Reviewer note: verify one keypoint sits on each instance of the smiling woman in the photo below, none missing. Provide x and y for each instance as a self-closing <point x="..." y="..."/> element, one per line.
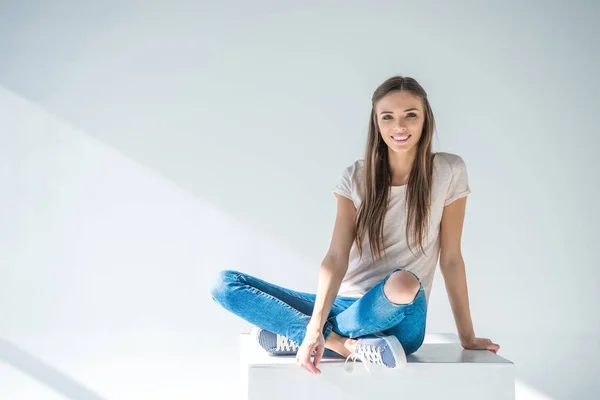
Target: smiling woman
<point x="398" y="209"/>
<point x="401" y="125"/>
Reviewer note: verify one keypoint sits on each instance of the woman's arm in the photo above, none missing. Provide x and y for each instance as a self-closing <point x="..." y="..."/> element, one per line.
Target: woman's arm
<point x="453" y="270"/>
<point x="330" y="277"/>
<point x="333" y="269"/>
<point x="335" y="263"/>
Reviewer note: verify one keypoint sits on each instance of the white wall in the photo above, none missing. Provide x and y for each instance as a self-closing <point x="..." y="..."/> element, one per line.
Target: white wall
<point x="144" y="147"/>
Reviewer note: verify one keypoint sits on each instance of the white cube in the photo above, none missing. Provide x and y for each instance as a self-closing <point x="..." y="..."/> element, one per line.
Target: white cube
<point x="440" y="369"/>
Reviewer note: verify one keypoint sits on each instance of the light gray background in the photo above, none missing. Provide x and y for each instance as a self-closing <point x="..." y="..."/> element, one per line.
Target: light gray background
<point x="144" y="146"/>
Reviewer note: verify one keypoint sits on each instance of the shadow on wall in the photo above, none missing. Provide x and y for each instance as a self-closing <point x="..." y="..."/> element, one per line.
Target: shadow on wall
<point x="44" y="373"/>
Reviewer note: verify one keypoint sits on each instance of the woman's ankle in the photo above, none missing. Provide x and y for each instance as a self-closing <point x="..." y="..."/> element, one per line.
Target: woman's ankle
<point x="350" y="344"/>
<point x="340" y="344"/>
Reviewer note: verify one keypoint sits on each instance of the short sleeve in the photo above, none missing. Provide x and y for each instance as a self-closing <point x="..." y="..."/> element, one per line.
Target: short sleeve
<point x="344" y="185"/>
<point x="459" y="183"/>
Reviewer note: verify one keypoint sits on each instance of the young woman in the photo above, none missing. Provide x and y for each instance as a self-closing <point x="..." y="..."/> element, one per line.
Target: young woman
<point x="398" y="210"/>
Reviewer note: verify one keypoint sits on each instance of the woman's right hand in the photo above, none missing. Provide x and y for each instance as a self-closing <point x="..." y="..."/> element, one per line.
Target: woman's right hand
<point x="313" y="342"/>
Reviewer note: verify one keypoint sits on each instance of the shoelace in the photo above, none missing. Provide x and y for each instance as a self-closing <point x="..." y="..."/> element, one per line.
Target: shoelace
<point x="285" y="344"/>
<point x="366" y="354"/>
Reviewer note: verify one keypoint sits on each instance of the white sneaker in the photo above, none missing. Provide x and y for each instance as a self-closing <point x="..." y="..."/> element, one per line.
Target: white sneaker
<point x="379" y="350"/>
<point x="273" y="343"/>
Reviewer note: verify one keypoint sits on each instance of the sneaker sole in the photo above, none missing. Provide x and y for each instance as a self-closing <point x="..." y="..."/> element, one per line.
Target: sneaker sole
<point x="254" y="332"/>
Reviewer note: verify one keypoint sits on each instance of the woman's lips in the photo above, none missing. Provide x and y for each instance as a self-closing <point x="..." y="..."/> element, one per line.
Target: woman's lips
<point x="401" y="141"/>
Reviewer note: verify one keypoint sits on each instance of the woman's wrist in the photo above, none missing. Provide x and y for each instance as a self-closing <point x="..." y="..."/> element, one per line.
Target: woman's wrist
<point x="466" y="339"/>
<point x="314" y="326"/>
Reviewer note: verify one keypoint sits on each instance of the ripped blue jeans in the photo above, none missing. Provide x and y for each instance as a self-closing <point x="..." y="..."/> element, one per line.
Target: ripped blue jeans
<point x="287" y="312"/>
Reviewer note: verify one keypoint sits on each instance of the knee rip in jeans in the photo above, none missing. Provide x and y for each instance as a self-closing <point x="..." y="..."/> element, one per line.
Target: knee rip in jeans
<point x="402" y="287"/>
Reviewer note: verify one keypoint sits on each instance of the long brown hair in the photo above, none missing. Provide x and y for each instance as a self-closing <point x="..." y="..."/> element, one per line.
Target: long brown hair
<point x="377" y="177"/>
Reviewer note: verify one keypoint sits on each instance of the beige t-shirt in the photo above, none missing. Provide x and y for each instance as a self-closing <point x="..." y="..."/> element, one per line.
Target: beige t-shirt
<point x="450" y="182"/>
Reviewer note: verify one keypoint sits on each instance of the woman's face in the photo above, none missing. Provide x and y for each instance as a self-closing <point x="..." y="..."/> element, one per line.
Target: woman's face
<point x="400" y="119"/>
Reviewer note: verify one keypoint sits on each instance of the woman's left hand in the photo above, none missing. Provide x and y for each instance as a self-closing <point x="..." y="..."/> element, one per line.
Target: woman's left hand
<point x="481" y="344"/>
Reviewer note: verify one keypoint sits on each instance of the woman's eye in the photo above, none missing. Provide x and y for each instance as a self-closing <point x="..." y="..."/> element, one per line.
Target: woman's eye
<point x="410" y="115"/>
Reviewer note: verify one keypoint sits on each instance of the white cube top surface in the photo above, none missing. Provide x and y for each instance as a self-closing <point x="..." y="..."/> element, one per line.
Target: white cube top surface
<point x="437" y="348"/>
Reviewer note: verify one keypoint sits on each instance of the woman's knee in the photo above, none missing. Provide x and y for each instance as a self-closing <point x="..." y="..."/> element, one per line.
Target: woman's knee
<point x="412" y="347"/>
<point x="401" y="287"/>
<point x="221" y="287"/>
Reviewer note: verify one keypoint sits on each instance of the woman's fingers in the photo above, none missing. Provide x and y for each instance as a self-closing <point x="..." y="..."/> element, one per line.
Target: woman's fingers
<point x="318" y="357"/>
<point x="309" y="365"/>
<point x="303" y="359"/>
<point x="313" y="343"/>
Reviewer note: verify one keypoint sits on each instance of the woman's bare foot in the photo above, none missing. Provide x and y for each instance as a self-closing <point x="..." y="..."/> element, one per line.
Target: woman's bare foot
<point x="342" y="345"/>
